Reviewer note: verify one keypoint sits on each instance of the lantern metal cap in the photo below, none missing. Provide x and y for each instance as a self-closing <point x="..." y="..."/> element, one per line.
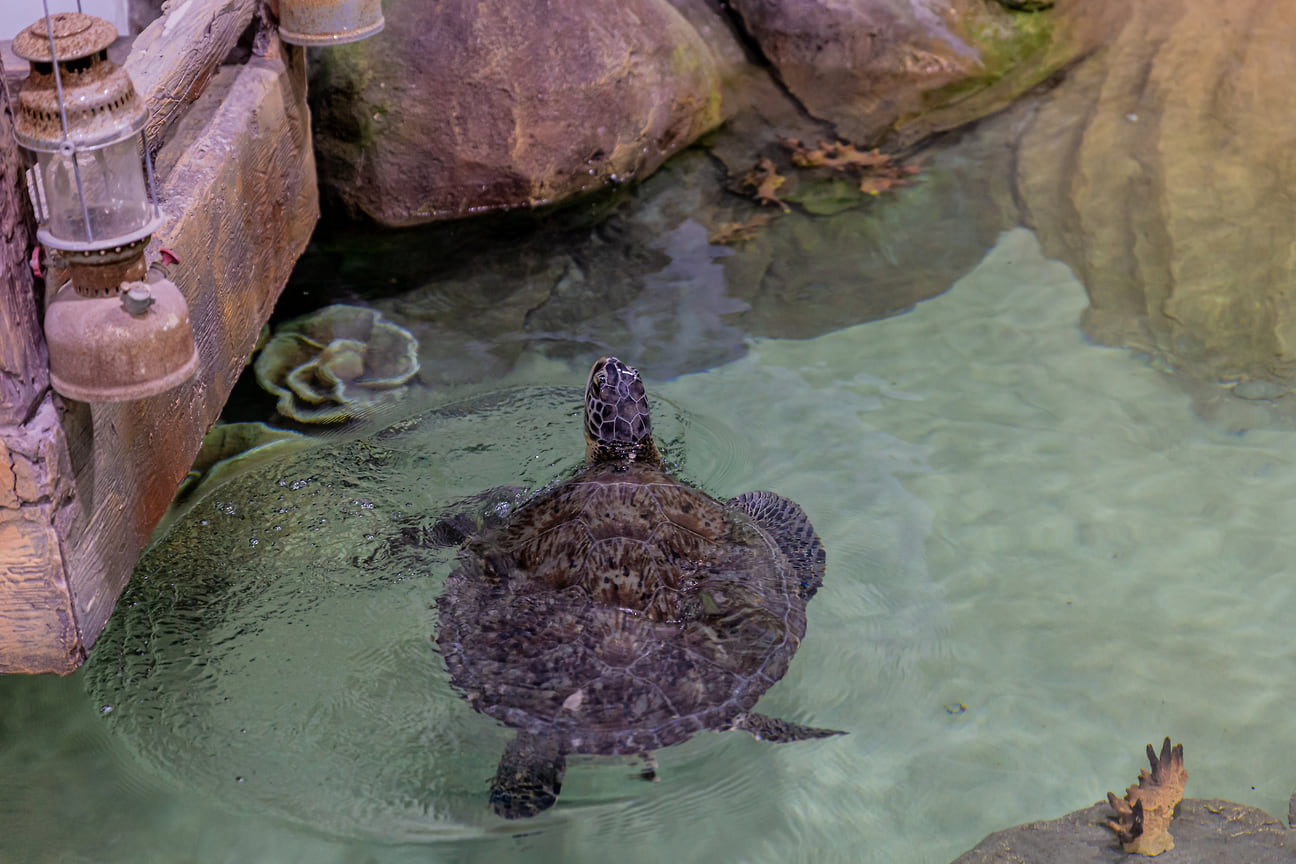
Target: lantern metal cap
<point x="329" y="22"/>
<point x="75" y="36"/>
<point x="100" y="100"/>
<point x="100" y="246"/>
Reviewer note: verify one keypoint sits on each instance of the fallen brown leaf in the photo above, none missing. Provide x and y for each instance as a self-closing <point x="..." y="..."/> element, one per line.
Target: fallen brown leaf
<point x="765" y="179"/>
<point x="737" y="233"/>
<point x="841" y="156"/>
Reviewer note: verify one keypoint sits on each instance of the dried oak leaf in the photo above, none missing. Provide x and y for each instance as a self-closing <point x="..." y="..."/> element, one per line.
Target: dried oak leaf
<point x="877" y="184"/>
<point x="737" y="233"/>
<point x="803" y="156"/>
<point x="765" y="179"/>
<point x="840" y="156"/>
<point x="1142" y="820"/>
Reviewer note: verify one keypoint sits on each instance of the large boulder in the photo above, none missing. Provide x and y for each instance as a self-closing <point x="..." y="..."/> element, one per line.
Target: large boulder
<point x="1161" y="171"/>
<point x="467" y="106"/>
<point x="870" y="67"/>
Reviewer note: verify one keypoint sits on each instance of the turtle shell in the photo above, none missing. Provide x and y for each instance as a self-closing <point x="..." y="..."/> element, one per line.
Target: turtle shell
<point x="623" y="610"/>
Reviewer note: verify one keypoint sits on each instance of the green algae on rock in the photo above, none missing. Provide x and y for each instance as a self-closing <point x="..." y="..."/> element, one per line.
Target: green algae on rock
<point x="871" y="66"/>
<point x="329" y="366"/>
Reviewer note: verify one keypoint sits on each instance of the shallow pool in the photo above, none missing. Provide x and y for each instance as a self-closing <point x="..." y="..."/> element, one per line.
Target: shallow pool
<point x="1039" y="559"/>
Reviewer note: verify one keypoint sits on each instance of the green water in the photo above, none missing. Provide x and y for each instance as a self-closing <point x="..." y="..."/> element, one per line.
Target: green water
<point x="1039" y="559"/>
<point x="1040" y="556"/>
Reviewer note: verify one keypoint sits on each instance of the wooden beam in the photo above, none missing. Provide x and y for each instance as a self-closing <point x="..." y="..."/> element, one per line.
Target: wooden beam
<point x="240" y="202"/>
<point x="174" y="58"/>
<point x="38" y="629"/>
<point x="82" y="486"/>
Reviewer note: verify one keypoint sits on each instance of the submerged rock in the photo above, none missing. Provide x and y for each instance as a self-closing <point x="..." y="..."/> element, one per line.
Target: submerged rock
<point x="1207" y="831"/>
<point x="227" y="451"/>
<point x="464" y="107"/>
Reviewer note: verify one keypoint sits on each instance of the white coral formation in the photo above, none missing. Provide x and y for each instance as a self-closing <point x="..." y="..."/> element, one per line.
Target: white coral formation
<point x="333" y="364"/>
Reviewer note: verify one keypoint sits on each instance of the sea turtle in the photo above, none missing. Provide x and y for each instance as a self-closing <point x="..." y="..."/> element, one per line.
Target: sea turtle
<point x="622" y="611"/>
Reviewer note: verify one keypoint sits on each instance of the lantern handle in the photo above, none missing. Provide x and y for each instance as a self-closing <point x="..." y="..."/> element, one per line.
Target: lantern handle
<point x="67" y="148"/>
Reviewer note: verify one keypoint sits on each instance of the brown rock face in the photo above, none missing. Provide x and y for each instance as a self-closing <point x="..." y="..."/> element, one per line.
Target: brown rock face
<point x="463" y="107"/>
<point x="868" y="65"/>
<point x="1161" y="171"/>
<point x="864" y="62"/>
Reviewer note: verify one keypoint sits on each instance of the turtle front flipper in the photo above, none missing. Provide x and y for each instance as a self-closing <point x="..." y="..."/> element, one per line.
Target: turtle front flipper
<point x="461" y="521"/>
<point x="469" y="517"/>
<point x="529" y="776"/>
<point x="765" y="728"/>
<point x="788" y="525"/>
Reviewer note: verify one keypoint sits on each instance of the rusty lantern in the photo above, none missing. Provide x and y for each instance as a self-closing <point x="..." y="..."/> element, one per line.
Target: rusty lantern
<point x="93" y="190"/>
<point x="328" y="22"/>
<point x="115" y="349"/>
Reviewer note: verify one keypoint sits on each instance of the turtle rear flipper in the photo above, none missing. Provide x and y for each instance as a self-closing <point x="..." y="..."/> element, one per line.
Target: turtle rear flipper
<point x="788" y="525"/>
<point x="529" y="776"/>
<point x="765" y="728"/>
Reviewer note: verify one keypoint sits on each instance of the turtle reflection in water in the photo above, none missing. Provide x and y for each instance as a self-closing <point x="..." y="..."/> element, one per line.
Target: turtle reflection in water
<point x="623" y="611"/>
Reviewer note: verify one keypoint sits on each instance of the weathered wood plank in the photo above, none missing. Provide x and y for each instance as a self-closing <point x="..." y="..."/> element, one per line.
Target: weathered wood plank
<point x="38" y="630"/>
<point x="24" y="373"/>
<point x="174" y="58"/>
<point x="80" y="493"/>
<point x="240" y="204"/>
<point x="38" y="627"/>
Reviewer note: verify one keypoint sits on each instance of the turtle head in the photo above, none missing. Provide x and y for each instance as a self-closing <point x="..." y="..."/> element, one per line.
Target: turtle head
<point x="617" y="425"/>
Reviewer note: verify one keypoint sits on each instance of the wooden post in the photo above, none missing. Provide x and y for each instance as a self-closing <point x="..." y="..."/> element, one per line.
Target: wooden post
<point x="24" y="372"/>
<point x="38" y="629"/>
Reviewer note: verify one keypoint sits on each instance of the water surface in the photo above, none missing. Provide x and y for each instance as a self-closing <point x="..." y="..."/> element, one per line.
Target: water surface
<point x="1039" y="558"/>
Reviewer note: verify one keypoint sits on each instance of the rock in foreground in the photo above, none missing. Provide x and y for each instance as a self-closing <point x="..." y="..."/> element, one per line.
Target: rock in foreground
<point x="1207" y="831"/>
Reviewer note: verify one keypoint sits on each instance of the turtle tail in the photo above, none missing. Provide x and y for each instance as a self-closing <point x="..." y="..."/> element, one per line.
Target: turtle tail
<point x="529" y="776"/>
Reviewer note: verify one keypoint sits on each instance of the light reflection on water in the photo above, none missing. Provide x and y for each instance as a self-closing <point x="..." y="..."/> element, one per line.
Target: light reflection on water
<point x="1016" y="521"/>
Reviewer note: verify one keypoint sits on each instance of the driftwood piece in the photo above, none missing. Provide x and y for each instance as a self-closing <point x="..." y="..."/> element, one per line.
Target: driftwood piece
<point x="174" y="58"/>
<point x="1142" y="819"/>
